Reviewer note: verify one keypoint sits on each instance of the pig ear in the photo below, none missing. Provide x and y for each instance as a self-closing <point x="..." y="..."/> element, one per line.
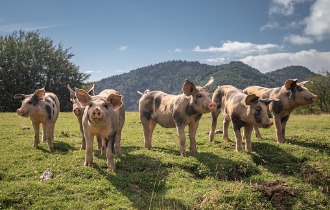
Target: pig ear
<point x="83" y="97"/>
<point x="251" y="99"/>
<point x="40" y="93"/>
<point x="209" y="83"/>
<point x="188" y="88"/>
<point x="72" y="92"/>
<point x="290" y="83"/>
<point x="91" y="91"/>
<point x="115" y="101"/>
<point x="20" y="96"/>
<point x="305" y="82"/>
<point x="266" y="100"/>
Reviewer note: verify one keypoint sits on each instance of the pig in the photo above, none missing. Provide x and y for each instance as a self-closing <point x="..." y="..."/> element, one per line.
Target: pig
<point x="291" y="95"/>
<point x="78" y="110"/>
<point x="175" y="111"/>
<point x="40" y="107"/>
<point x="104" y="115"/>
<point x="242" y="110"/>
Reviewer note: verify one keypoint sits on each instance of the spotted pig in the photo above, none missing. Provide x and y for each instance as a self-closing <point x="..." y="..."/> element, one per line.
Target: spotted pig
<point x="291" y="95"/>
<point x="40" y="107"/>
<point x="175" y="111"/>
<point x="242" y="110"/>
<point x="104" y="115"/>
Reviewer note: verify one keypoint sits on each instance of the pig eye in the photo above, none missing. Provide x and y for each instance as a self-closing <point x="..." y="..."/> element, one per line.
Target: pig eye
<point x="199" y="95"/>
<point x="106" y="106"/>
<point x="90" y="105"/>
<point x="29" y="102"/>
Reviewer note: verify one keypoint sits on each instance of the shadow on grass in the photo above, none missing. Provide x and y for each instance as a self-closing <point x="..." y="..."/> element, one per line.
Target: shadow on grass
<point x="59" y="148"/>
<point x="278" y="161"/>
<point x="321" y="147"/>
<point x="142" y="180"/>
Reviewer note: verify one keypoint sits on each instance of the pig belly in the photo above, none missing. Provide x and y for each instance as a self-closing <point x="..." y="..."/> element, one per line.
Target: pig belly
<point x="164" y="120"/>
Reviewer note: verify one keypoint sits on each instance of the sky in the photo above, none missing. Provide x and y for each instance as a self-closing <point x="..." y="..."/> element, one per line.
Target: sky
<point x="111" y="37"/>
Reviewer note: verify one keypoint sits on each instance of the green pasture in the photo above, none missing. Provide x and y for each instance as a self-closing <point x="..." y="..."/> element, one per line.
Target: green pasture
<point x="293" y="175"/>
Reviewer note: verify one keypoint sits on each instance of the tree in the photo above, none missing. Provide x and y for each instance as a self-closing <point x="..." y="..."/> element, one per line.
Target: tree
<point x="321" y="87"/>
<point x="29" y="62"/>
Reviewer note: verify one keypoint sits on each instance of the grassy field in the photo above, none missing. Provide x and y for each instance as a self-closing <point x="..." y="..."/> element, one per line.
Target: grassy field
<point x="294" y="175"/>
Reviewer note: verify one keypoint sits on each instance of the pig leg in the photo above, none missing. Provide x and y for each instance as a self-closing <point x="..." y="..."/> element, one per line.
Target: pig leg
<point x="83" y="141"/>
<point x="284" y="121"/>
<point x="104" y="146"/>
<point x="257" y="132"/>
<point x="44" y="132"/>
<point x="226" y="122"/>
<point x="192" y="134"/>
<point x="148" y="127"/>
<point x="89" y="148"/>
<point x="247" y="136"/>
<point x="214" y="119"/>
<point x="36" y="134"/>
<point x="110" y="151"/>
<point x="238" y="140"/>
<point x="182" y="140"/>
<point x="99" y="142"/>
<point x="117" y="143"/>
<point x="50" y="135"/>
<point x="278" y="126"/>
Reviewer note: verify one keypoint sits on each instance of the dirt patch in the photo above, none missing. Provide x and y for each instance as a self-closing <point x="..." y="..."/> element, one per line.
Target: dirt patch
<point x="278" y="193"/>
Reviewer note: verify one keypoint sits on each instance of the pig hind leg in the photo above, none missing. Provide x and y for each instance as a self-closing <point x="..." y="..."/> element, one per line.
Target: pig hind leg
<point x="226" y="122"/>
<point x="110" y="143"/>
<point x="44" y="132"/>
<point x="148" y="128"/>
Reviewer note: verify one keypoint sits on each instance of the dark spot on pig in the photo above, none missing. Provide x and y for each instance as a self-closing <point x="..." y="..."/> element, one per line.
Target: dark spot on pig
<point x="278" y="107"/>
<point x="237" y="122"/>
<point x="277" y="90"/>
<point x="218" y="105"/>
<point x="158" y="101"/>
<point x="148" y="105"/>
<point x="51" y="97"/>
<point x="257" y="114"/>
<point x="190" y="110"/>
<point x="178" y="119"/>
<point x="47" y="100"/>
<point x="198" y="117"/>
<point x="49" y="111"/>
<point x="34" y="100"/>
<point x="146" y="115"/>
<point x="284" y="119"/>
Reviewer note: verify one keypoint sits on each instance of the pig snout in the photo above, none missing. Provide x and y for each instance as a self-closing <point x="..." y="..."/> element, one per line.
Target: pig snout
<point x="96" y="114"/>
<point x="314" y="98"/>
<point x="20" y="112"/>
<point x="268" y="125"/>
<point x="76" y="111"/>
<point x="212" y="106"/>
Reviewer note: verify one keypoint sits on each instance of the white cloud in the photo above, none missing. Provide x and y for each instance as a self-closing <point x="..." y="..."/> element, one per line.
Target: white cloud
<point x="123" y="48"/>
<point x="242" y="48"/>
<point x="27" y="27"/>
<point x="283" y="7"/>
<point x="312" y="59"/>
<point x="318" y="23"/>
<point x="177" y="50"/>
<point x="90" y="72"/>
<point x="215" y="60"/>
<point x="298" y="40"/>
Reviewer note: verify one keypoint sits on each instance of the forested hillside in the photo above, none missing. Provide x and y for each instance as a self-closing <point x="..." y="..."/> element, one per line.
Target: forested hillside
<point x="170" y="76"/>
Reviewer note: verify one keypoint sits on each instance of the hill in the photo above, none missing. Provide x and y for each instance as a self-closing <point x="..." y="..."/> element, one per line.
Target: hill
<point x="290" y="72"/>
<point x="170" y="76"/>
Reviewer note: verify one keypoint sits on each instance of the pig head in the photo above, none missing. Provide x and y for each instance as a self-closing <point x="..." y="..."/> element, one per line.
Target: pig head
<point x="104" y="115"/>
<point x="40" y="107"/>
<point x="242" y="110"/>
<point x="175" y="111"/>
<point x="78" y="110"/>
<point x="291" y="95"/>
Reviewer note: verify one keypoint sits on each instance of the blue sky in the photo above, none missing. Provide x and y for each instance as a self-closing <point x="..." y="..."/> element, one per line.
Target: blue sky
<point x="111" y="37"/>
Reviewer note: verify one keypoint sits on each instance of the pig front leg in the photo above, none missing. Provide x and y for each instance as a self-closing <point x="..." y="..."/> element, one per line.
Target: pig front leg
<point x="214" y="119"/>
<point x="89" y="148"/>
<point x="278" y="127"/>
<point x="192" y="134"/>
<point x="247" y="136"/>
<point x="83" y="141"/>
<point x="36" y="134"/>
<point x="99" y="142"/>
<point x="182" y="140"/>
<point x="257" y="132"/>
<point x="238" y="140"/>
<point x="110" y="151"/>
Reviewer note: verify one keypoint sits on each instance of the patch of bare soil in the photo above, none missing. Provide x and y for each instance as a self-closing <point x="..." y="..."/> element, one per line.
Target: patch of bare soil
<point x="277" y="192"/>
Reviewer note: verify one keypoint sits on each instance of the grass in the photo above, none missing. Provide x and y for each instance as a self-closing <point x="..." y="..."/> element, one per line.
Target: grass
<point x="294" y="175"/>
